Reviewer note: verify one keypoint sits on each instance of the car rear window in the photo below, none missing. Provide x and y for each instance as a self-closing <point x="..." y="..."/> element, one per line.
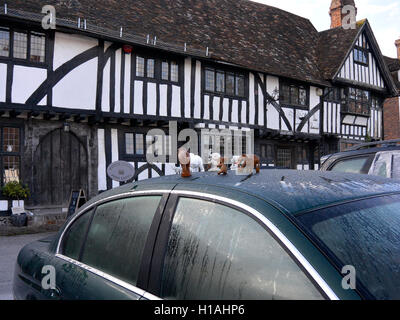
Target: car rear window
<point x="366" y="235"/>
<point x="353" y="165"/>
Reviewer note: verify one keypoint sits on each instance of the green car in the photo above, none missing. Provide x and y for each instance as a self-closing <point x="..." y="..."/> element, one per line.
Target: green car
<point x="279" y="234"/>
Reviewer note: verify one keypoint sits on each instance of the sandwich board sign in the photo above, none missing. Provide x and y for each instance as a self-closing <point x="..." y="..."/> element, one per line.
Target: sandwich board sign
<point x="121" y="171"/>
<point x="76" y="200"/>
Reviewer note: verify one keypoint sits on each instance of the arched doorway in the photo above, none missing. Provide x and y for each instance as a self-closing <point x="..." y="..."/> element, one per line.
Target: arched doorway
<point x="60" y="165"/>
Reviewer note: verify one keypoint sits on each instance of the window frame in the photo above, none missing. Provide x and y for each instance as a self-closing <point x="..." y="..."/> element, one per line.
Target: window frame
<point x="298" y="86"/>
<point x="367" y="105"/>
<point x="10" y="154"/>
<point x="365" y="51"/>
<point x="145" y="67"/>
<point x="158" y="62"/>
<point x="7" y="29"/>
<point x="290" y="151"/>
<point x="334" y="94"/>
<point x="166" y="225"/>
<point x="26" y="61"/>
<point x="134" y="155"/>
<point x="169" y="62"/>
<point x="226" y="72"/>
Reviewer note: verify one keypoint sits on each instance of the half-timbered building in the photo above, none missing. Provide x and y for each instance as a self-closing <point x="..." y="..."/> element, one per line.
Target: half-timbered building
<point x="76" y="98"/>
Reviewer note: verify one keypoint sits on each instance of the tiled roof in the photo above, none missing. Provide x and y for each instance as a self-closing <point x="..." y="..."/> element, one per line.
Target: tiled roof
<point x="394" y="67"/>
<point x="241" y="32"/>
<point x="333" y="47"/>
<point x="392" y="63"/>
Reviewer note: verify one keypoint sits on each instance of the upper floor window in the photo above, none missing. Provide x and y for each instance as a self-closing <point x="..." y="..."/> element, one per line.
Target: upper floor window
<point x="361" y="55"/>
<point x="38" y="47"/>
<point x="224" y="82"/>
<point x="4" y="42"/>
<point x="294" y="94"/>
<point x="144" y="67"/>
<point x="20" y="45"/>
<point x="152" y="68"/>
<point x="375" y="103"/>
<point x="359" y="101"/>
<point x="23" y="45"/>
<point x="334" y="94"/>
<point x="170" y="71"/>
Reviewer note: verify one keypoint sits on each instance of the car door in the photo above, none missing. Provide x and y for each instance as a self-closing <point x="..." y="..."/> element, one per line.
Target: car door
<point x="386" y="164"/>
<point x="212" y="250"/>
<point x="103" y="253"/>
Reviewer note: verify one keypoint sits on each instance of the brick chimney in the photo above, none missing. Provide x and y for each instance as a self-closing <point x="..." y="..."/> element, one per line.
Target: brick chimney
<point x="397" y="43"/>
<point x="336" y="11"/>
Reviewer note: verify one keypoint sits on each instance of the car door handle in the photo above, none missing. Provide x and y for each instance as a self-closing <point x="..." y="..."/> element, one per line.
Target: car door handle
<point x="53" y="294"/>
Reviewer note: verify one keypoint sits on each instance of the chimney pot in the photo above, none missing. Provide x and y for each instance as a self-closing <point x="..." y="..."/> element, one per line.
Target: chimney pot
<point x="336" y="11"/>
<point x="397" y="43"/>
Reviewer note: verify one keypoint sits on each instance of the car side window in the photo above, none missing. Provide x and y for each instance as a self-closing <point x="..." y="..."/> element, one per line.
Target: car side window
<point x="218" y="253"/>
<point x="354" y="165"/>
<point x="74" y="238"/>
<point x="118" y="234"/>
<point x="396" y="166"/>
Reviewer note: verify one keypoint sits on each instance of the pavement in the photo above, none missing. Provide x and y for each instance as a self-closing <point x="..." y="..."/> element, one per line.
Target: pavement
<point x="9" y="249"/>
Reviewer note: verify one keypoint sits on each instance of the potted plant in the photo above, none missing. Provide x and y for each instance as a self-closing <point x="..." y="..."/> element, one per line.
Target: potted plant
<point x="15" y="190"/>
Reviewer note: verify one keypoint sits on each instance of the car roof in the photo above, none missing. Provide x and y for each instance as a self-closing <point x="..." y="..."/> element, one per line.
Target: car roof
<point x="291" y="190"/>
<point x="350" y="153"/>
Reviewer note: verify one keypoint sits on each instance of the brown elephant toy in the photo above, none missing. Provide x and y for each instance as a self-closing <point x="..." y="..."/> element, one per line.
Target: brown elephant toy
<point x="249" y="161"/>
<point x="223" y="167"/>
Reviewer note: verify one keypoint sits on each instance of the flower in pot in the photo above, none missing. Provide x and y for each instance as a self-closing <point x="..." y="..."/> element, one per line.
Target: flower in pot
<point x="15" y="190"/>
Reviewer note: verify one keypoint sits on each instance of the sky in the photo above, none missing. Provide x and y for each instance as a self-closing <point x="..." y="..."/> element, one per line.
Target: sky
<point x="383" y="16"/>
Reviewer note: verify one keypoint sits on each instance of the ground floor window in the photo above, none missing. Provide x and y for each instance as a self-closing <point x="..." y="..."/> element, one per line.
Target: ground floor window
<point x="284" y="158"/>
<point x="10" y="154"/>
<point x="136" y="145"/>
<point x="267" y="154"/>
<point x="11" y="169"/>
<point x="303" y="158"/>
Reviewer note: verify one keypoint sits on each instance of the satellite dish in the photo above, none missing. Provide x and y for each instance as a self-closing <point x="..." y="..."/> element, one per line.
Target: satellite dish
<point x="121" y="171"/>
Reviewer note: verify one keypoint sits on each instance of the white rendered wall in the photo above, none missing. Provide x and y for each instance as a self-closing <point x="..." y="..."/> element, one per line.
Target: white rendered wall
<point x="26" y="81"/>
<point x="68" y="46"/>
<point x="77" y="90"/>
<point x="272" y="113"/>
<point x="3" y="81"/>
<point x="101" y="171"/>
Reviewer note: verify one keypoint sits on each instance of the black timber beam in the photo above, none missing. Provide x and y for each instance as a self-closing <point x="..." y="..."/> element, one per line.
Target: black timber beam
<point x="92" y="120"/>
<point x="14" y="113"/>
<point x="134" y="123"/>
<point x="79" y="118"/>
<point x="33" y="114"/>
<point x="49" y="115"/>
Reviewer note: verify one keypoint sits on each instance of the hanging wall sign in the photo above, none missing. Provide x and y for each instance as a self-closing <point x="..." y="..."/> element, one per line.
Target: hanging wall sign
<point x="121" y="171"/>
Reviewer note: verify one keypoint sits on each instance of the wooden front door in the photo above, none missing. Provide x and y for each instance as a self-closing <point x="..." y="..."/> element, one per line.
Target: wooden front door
<point x="60" y="165"/>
